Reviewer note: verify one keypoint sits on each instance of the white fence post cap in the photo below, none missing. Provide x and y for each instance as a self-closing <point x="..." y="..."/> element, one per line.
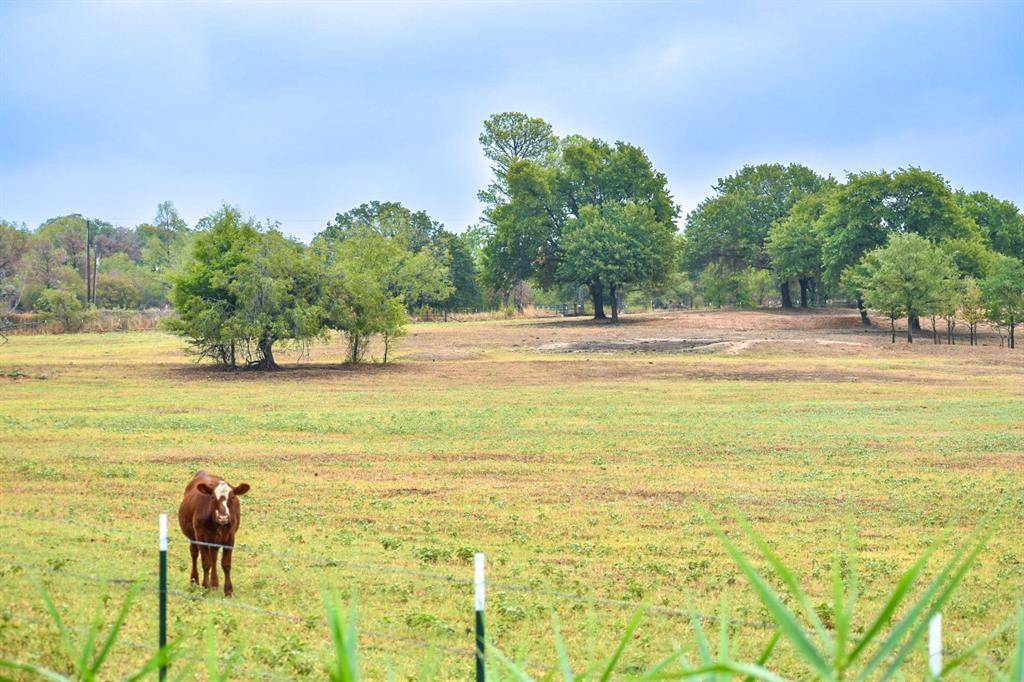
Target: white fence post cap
<point x="163" y="532"/>
<point x="479" y="589"/>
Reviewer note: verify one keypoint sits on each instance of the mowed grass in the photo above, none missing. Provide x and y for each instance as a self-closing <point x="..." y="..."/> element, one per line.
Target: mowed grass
<point x="584" y="477"/>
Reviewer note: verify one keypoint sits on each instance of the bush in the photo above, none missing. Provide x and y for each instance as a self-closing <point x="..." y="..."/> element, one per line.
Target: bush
<point x="62" y="306"/>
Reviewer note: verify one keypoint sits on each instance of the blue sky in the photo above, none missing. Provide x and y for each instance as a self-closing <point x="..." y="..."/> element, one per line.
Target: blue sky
<point x="295" y="112"/>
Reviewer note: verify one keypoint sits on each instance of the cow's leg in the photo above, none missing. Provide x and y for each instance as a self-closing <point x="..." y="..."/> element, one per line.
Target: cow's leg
<point x="225" y="563"/>
<point x="204" y="552"/>
<point x="214" y="582"/>
<point x="193" y="549"/>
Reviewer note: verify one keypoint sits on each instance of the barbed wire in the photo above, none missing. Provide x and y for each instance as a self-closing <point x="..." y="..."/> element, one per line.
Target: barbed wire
<point x="73" y="523"/>
<point x="502" y="554"/>
<point x="493" y="586"/>
<point x="308" y="621"/>
<point x="194" y="658"/>
<point x="514" y="587"/>
<point x="324" y="562"/>
<point x="319" y="561"/>
<point x="499" y="587"/>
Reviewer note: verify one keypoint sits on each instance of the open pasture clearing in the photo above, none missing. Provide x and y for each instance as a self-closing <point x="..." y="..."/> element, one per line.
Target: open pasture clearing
<point x="580" y="473"/>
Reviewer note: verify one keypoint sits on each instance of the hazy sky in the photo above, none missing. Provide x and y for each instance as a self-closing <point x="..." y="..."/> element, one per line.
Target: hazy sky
<point x="297" y="111"/>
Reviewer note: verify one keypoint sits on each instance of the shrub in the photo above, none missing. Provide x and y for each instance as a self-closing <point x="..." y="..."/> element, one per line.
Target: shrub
<point x="62" y="306"/>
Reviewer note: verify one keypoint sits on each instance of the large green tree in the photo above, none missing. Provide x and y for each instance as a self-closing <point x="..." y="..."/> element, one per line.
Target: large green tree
<point x="731" y="227"/>
<point x="542" y="196"/>
<point x="1002" y="292"/>
<point x="872" y="206"/>
<point x="413" y="229"/>
<point x="1001" y="222"/>
<point x="879" y="294"/>
<point x="417" y="248"/>
<point x="367" y="280"/>
<point x="509" y="138"/>
<point x="794" y="243"/>
<point x="162" y="241"/>
<point x="456" y="252"/>
<point x="523" y="243"/>
<point x="615" y="246"/>
<point x="168" y="218"/>
<point x="246" y="289"/>
<point x="909" y="274"/>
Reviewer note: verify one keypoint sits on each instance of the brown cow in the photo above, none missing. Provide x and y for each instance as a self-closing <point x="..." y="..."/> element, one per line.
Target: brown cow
<point x="210" y="513"/>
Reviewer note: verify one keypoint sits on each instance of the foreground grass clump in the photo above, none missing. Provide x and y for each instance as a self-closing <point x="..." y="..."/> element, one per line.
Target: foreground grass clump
<point x="578" y="474"/>
<point x="86" y="657"/>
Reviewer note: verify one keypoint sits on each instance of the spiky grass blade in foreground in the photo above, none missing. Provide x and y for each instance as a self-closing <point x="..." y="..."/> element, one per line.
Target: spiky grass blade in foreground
<point x="163" y="657"/>
<point x="787" y="621"/>
<point x="971" y="652"/>
<point x="659" y="672"/>
<point x="609" y="667"/>
<point x="115" y="629"/>
<point x="722" y="666"/>
<point x="729" y="669"/>
<point x="789" y="579"/>
<point x="723" y="635"/>
<point x="890" y="643"/>
<point x="88" y="662"/>
<point x="563" y="655"/>
<point x="897" y="596"/>
<point x="911" y="628"/>
<point x="1017" y="662"/>
<point x="517" y="673"/>
<point x="766" y="653"/>
<point x="703" y="648"/>
<point x="844" y="598"/>
<point x="214" y="671"/>
<point x="51" y="608"/>
<point x="82" y="666"/>
<point x="344" y="666"/>
<point x="42" y="672"/>
<point x="428" y="670"/>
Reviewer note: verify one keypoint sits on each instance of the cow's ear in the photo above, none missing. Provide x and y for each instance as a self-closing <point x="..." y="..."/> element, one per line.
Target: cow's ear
<point x="204" y="489"/>
<point x="241" y="489"/>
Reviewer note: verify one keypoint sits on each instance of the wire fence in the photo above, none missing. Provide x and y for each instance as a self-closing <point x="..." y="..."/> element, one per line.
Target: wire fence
<point x="320" y="561"/>
<point x="196" y="597"/>
<point x="370" y="638"/>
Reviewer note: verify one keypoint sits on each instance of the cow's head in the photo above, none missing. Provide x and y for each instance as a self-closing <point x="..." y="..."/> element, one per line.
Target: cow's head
<point x="224" y="499"/>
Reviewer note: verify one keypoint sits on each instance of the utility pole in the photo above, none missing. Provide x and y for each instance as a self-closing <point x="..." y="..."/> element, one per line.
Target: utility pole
<point x="88" y="261"/>
<point x="95" y="271"/>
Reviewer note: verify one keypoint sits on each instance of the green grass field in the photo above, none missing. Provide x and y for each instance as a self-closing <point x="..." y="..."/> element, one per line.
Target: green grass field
<point x="583" y="473"/>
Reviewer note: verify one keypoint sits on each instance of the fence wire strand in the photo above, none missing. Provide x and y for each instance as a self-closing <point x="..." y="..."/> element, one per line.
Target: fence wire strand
<point x="493" y="586"/>
<point x="308" y="621"/>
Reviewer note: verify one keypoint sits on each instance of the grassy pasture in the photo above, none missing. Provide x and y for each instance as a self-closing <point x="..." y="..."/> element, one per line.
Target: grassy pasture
<point x="582" y="473"/>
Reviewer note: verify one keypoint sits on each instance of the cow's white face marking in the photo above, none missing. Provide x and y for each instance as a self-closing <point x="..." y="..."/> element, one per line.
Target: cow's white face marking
<point x="220" y="494"/>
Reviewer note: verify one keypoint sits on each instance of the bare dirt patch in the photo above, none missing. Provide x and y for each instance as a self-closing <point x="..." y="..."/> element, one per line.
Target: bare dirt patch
<point x="405" y="492"/>
<point x="442" y="355"/>
<point x="629" y="346"/>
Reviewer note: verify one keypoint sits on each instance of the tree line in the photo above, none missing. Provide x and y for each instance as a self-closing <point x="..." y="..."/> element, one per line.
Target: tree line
<point x="239" y="286"/>
<point x="573" y="211"/>
<point x="72" y="261"/>
<point x="564" y="219"/>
